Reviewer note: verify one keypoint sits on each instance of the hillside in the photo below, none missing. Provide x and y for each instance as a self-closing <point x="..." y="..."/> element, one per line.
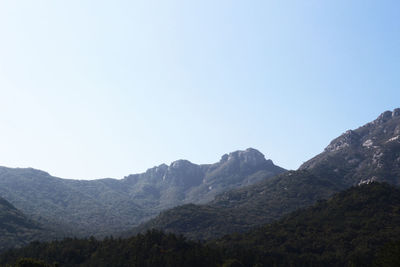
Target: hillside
<point x="243" y="209"/>
<point x="107" y="206"/>
<point x="370" y="153"/>
<point x="357" y="227"/>
<point x="352" y="227"/>
<point x="16" y="229"/>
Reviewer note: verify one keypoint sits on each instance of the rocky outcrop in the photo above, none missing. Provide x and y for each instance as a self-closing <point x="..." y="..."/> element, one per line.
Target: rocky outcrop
<point x="185" y="182"/>
<point x="349" y="138"/>
<point x="368" y="153"/>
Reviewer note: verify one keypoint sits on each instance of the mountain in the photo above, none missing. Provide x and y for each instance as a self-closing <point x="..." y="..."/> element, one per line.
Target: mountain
<point x="107" y="206"/>
<point x="16" y="229"/>
<point x="185" y="182"/>
<point x="357" y="227"/>
<point x="369" y="153"/>
<point x="243" y="209"/>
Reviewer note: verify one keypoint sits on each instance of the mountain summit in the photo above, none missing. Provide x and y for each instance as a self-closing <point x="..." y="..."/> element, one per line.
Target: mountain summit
<point x="369" y="153"/>
<point x="185" y="182"/>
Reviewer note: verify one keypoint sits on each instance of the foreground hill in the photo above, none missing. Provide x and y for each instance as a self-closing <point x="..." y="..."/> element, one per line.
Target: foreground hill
<point x="16" y="229"/>
<point x="349" y="229"/>
<point x="370" y="153"/>
<point x="358" y="227"/>
<point x="107" y="206"/>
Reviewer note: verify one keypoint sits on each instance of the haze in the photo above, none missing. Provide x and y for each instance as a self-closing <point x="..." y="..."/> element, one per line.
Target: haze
<point x="92" y="89"/>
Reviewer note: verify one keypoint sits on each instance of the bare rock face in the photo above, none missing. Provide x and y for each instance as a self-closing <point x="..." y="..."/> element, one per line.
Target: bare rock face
<point x="349" y="138"/>
<point x="249" y="156"/>
<point x="184" y="182"/>
<point x="368" y="153"/>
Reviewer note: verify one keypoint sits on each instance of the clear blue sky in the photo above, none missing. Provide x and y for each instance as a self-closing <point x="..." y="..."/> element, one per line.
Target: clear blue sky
<point x="92" y="89"/>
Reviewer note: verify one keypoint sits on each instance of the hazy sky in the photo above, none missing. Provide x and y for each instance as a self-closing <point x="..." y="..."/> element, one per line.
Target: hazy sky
<point x="92" y="89"/>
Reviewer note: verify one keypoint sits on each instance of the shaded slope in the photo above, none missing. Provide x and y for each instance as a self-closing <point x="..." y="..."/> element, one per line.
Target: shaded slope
<point x="243" y="209"/>
<point x="350" y="228"/>
<point x="16" y="229"/>
<point x="64" y="204"/>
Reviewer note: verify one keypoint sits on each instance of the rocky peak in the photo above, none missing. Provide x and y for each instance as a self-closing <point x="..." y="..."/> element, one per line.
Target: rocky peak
<point x="396" y="112"/>
<point x="366" y="154"/>
<point x="386" y="116"/>
<point x="182" y="163"/>
<point x="384" y="127"/>
<point x="249" y="156"/>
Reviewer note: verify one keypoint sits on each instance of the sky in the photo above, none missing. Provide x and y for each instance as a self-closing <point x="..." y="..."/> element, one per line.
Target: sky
<point x="94" y="89"/>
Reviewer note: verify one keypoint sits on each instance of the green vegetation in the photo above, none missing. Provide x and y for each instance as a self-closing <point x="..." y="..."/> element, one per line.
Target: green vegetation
<point x="357" y="227"/>
<point x="151" y="249"/>
<point x="243" y="209"/>
<point x="389" y="255"/>
<point x="346" y="230"/>
<point x="16" y="229"/>
<point x="108" y="206"/>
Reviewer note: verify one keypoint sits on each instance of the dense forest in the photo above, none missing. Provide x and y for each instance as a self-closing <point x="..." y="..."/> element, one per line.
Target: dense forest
<point x="349" y="229"/>
<point x="151" y="249"/>
<point x="357" y="227"/>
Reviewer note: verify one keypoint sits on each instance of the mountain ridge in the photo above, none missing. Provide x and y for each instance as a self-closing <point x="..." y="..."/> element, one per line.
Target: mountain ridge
<point x="107" y="206"/>
<point x="368" y="153"/>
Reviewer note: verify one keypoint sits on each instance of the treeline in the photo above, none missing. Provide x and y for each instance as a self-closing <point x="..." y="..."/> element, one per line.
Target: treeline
<point x="117" y="252"/>
<point x="151" y="249"/>
<point x="358" y="227"/>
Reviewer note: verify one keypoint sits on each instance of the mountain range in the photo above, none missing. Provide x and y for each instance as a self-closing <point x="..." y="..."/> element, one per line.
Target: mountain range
<point x="241" y="192"/>
<point x="369" y="153"/>
<point x="108" y="206"/>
